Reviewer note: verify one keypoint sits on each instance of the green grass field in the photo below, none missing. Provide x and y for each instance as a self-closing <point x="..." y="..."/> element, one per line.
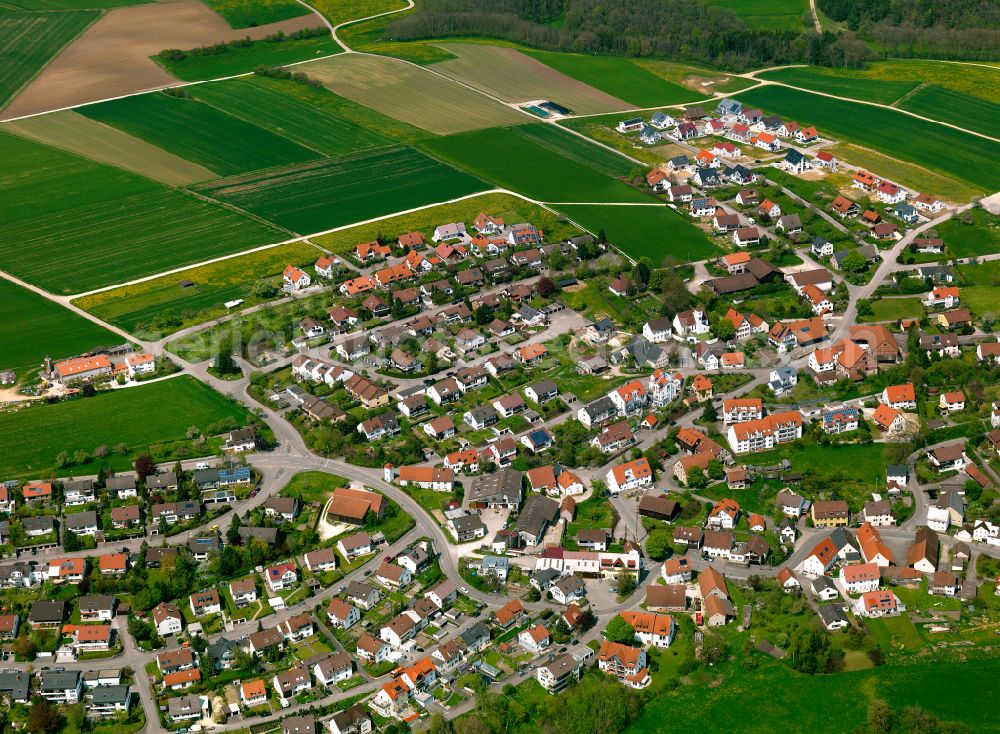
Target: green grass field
<point x="134" y="416"/>
<point x="746" y="703"/>
<point x="106" y="225"/>
<point x="28" y="41"/>
<point x="199" y="132"/>
<point x="656" y="232"/>
<point x="927" y="144"/>
<point x="54" y="331"/>
<point x="245" y="59"/>
<point x="277" y="109"/>
<point x="341" y="11"/>
<point x="893" y="309"/>
<point x="947" y="105"/>
<point x="540" y="162"/>
<point x="619" y="77"/>
<point x="332" y="192"/>
<point x="249" y="13"/>
<point x="981" y="237"/>
<point x="884" y="91"/>
<point x="313" y="486"/>
<point x="910" y="175"/>
<point x="158" y="307"/>
<point x="978" y="80"/>
<point x="766" y="15"/>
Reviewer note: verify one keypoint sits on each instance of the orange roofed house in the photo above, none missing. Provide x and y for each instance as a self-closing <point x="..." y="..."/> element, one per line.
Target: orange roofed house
<point x="765" y="433"/>
<point x="626" y="663"/>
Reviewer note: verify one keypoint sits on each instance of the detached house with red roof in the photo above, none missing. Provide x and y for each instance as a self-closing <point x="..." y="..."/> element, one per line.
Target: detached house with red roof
<point x="900" y="397"/>
<point x="281" y="576"/>
<point x="630" y="475"/>
<point x="879" y="604"/>
<point x="943" y="296"/>
<point x="820" y="559"/>
<point x="294" y="279"/>
<point x="627" y="664"/>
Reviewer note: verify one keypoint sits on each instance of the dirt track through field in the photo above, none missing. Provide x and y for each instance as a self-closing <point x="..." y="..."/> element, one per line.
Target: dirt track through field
<point x="112" y="57"/>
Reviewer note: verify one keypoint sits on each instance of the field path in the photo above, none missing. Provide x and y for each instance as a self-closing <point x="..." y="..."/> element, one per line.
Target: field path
<point x="816" y="24"/>
<point x="65" y="302"/>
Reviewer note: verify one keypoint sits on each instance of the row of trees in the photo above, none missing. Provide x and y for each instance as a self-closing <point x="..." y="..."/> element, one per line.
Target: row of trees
<point x="690" y="31"/>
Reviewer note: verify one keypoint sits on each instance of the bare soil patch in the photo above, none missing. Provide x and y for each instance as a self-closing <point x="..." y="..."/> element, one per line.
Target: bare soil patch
<point x="111" y="58"/>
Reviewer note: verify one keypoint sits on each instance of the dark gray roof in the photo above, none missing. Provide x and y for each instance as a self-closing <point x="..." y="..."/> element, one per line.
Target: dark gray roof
<point x="41" y="523"/>
<point x="221" y="647"/>
<point x="539" y="511"/>
<point x="80" y="485"/>
<point x="60" y="680"/>
<point x="268" y="535"/>
<point x="504" y="485"/>
<point x="475" y="632"/>
<point x="600" y="407"/>
<point x="47" y="611"/>
<point x="96" y="602"/>
<point x="110" y="694"/>
<point x="81" y="519"/>
<point x="831" y="613"/>
<point x="122" y="481"/>
<point x="15" y="682"/>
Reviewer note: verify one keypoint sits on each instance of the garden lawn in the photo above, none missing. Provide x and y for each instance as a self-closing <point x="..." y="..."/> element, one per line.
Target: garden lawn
<point x="199" y="132"/>
<point x="313" y="486"/>
<point x="657" y="232"/>
<point x="29" y="41"/>
<point x="896" y="633"/>
<point x="540" y="162"/>
<point x="745" y="703"/>
<point x="865" y="463"/>
<point x="957" y="108"/>
<point x="278" y="109"/>
<point x="894" y="309"/>
<point x="982" y="300"/>
<point x="106" y="225"/>
<point x="593" y="513"/>
<point x="927" y="144"/>
<point x="332" y="192"/>
<point x="982" y="237"/>
<point x="619" y="77"/>
<point x="135" y="416"/>
<point x="771" y="15"/>
<point x="868" y="90"/>
<point x="33" y="327"/>
<point x="248" y="13"/>
<point x="240" y="60"/>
